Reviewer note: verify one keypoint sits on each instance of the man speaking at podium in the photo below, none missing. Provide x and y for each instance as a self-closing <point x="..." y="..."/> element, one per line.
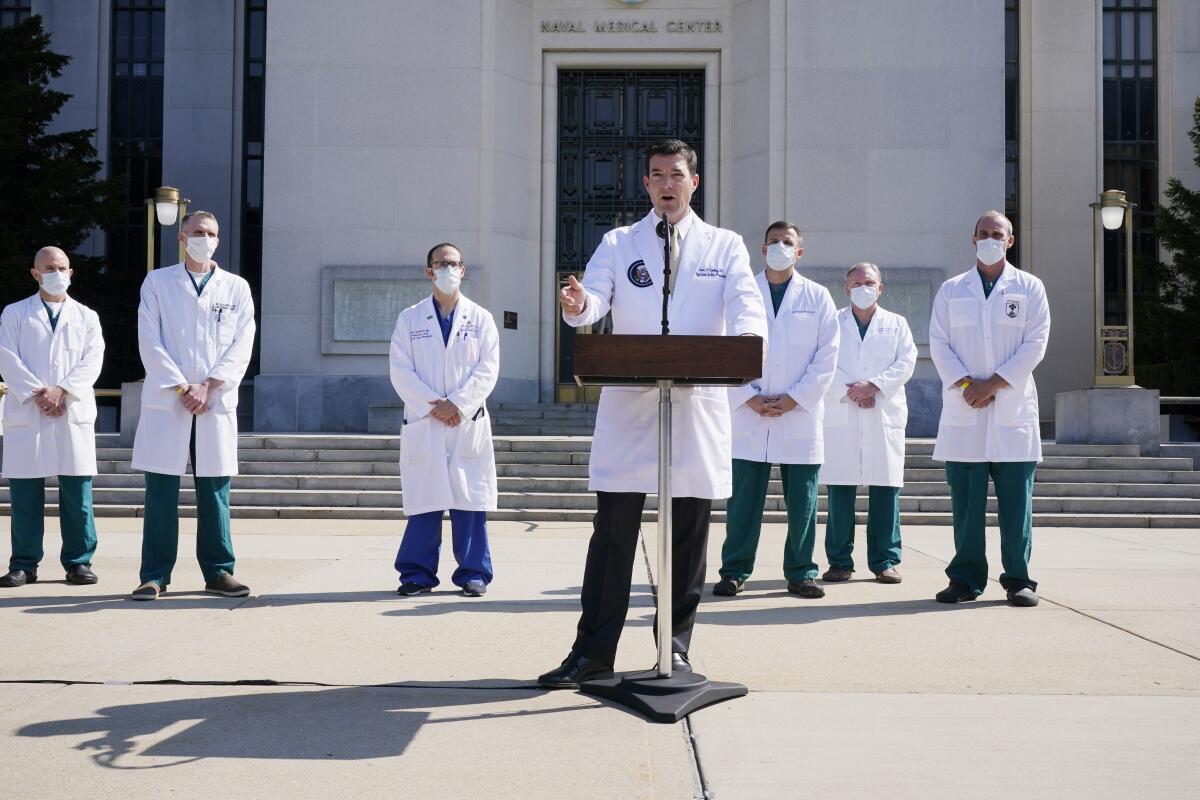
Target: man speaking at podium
<point x="712" y="292"/>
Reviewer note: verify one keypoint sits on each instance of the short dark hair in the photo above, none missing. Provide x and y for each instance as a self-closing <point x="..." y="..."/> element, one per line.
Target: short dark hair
<point x="781" y="224"/>
<point x="435" y="248"/>
<point x="673" y="147"/>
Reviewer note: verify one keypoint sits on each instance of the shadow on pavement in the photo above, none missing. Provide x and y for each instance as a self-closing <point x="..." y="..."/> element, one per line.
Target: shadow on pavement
<point x="333" y="724"/>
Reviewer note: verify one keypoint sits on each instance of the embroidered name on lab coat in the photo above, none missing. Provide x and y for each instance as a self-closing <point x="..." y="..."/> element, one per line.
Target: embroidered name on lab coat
<point x="710" y="272"/>
<point x="806" y="312"/>
<point x="420" y="333"/>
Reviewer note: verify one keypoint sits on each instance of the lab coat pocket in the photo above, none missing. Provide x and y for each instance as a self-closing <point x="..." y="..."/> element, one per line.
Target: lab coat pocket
<point x="415" y="441"/>
<point x="955" y="410"/>
<point x="964" y="312"/>
<point x="474" y="439"/>
<point x="1015" y="409"/>
<point x="837" y="409"/>
<point x="1012" y="309"/>
<point x="81" y="410"/>
<point x="159" y="396"/>
<point x="18" y="414"/>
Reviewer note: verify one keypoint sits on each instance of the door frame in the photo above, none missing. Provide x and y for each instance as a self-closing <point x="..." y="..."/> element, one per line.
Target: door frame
<point x="713" y="172"/>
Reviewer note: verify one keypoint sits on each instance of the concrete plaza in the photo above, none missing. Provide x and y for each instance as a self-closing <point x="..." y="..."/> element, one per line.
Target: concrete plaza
<point x="324" y="683"/>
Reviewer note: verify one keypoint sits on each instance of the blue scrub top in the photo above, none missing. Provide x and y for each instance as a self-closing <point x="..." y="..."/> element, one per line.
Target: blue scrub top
<point x="446" y="322"/>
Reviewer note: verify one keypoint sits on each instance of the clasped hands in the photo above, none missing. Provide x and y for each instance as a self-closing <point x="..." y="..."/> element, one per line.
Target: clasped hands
<point x="194" y="396"/>
<point x="51" y="400"/>
<point x="981" y="393"/>
<point x="771" y="405"/>
<point x="446" y="413"/>
<point x="862" y="393"/>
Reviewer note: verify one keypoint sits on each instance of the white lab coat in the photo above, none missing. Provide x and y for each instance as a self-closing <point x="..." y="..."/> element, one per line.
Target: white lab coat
<point x="185" y="338"/>
<point x="1004" y="335"/>
<point x="865" y="446"/>
<point x="714" y="294"/>
<point x="33" y="357"/>
<point x="800" y="363"/>
<point x="441" y="467"/>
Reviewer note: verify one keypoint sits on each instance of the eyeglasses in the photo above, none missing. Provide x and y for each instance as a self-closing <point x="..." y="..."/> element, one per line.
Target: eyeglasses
<point x="447" y="265"/>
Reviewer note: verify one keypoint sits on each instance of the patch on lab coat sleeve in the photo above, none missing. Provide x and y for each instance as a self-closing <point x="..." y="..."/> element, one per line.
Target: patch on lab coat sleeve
<point x="639" y="275"/>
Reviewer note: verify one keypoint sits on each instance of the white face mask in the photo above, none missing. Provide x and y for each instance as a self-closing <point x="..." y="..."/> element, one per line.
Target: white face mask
<point x="201" y="248"/>
<point x="447" y="279"/>
<point x="780" y="256"/>
<point x="55" y="283"/>
<point x="864" y="296"/>
<point x="990" y="251"/>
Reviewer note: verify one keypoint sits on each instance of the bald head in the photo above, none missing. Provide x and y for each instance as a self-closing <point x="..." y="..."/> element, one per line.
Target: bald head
<point x="51" y="255"/>
<point x="51" y="260"/>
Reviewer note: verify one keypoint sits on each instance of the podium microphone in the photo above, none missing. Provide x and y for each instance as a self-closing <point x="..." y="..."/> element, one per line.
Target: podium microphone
<point x="663" y="229"/>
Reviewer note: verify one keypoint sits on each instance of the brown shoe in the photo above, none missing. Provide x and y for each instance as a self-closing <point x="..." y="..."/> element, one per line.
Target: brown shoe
<point x="888" y="575"/>
<point x="150" y="590"/>
<point x="837" y="575"/>
<point x="226" y="586"/>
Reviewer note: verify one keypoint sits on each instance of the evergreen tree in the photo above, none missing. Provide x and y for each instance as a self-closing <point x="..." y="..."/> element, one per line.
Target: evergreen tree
<point x="1166" y="343"/>
<point x="50" y="192"/>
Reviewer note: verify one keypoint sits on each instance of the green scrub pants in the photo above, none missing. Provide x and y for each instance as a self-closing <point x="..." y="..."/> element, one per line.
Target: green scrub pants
<point x="745" y="513"/>
<point x="1014" y="500"/>
<point x="160" y="525"/>
<point x="883" y="527"/>
<point x="75" y="520"/>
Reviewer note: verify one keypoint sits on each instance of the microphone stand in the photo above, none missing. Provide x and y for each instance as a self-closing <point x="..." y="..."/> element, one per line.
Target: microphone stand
<point x="664" y="230"/>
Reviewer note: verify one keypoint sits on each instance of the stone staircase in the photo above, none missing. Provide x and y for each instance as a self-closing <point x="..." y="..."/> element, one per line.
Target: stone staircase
<point x="542" y="457"/>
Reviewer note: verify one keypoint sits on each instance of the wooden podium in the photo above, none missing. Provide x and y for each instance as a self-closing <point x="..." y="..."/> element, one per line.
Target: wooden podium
<point x="665" y="362"/>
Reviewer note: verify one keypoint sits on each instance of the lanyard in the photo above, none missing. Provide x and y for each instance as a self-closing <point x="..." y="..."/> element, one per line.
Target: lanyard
<point x="199" y="287"/>
<point x="52" y="316"/>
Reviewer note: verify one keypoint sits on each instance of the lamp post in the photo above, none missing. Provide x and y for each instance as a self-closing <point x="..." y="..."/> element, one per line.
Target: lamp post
<point x="168" y="207"/>
<point x="1114" y="343"/>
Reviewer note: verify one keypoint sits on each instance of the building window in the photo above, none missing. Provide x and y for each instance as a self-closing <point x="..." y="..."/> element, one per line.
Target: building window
<point x="254" y="72"/>
<point x="14" y="11"/>
<point x="135" y="158"/>
<point x="1130" y="134"/>
<point x="1012" y="116"/>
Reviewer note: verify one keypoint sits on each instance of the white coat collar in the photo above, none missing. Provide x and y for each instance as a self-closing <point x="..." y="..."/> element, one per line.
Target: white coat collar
<point x="974" y="280"/>
<point x="696" y="237"/>
<point x="67" y="314"/>
<point x="849" y="322"/>
<point x="462" y="309"/>
<point x="795" y="286"/>
<point x="184" y="278"/>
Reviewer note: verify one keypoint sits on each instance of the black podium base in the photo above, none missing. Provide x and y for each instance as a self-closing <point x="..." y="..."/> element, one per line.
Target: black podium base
<point x="663" y="699"/>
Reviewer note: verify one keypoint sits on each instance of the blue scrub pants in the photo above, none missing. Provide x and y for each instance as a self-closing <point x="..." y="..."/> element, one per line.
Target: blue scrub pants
<point x="417" y="560"/>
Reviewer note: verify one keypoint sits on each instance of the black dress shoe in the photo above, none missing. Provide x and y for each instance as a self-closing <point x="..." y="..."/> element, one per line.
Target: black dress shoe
<point x="728" y="587"/>
<point x="574" y="670"/>
<point x="17" y="577"/>
<point x="680" y="663"/>
<point x="81" y="575"/>
<point x="956" y="592"/>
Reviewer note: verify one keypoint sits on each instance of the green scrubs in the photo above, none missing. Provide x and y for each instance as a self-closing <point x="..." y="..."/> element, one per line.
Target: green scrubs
<point x="75" y="519"/>
<point x="883" y="527"/>
<point x="745" y="513"/>
<point x="160" y="525"/>
<point x="1014" y="500"/>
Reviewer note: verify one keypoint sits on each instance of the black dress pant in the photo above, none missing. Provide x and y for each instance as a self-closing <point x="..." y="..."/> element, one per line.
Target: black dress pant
<point x="609" y="571"/>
